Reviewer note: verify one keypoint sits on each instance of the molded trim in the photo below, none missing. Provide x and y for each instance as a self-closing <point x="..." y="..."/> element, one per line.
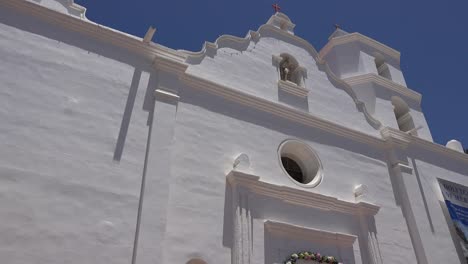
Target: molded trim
<point x="379" y="80"/>
<point x="357" y="37"/>
<point x="403" y="167"/>
<point x="394" y="137"/>
<point x="308" y="234"/>
<point x="292" y="88"/>
<point x="278" y="109"/>
<point x="175" y="61"/>
<point x="165" y="96"/>
<point x="397" y="138"/>
<point x="161" y="56"/>
<point x="299" y="197"/>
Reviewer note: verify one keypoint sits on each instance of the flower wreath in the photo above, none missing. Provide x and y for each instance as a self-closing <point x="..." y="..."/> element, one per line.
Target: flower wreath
<point x="306" y="255"/>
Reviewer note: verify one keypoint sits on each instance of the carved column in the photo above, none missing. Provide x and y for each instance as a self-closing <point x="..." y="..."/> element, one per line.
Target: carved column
<point x="370" y="246"/>
<point x="241" y="247"/>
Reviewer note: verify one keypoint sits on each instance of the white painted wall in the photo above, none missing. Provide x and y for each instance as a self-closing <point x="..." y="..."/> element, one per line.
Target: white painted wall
<point x="378" y="101"/>
<point x="69" y="193"/>
<point x="397" y="74"/>
<point x="258" y="76"/>
<point x="203" y="118"/>
<point x="63" y="197"/>
<point x="354" y="59"/>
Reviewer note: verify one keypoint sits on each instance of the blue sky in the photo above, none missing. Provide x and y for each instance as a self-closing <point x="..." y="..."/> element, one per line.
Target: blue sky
<point x="432" y="37"/>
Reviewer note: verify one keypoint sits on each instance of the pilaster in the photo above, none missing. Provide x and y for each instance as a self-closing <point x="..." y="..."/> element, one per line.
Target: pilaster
<point x="411" y="199"/>
<point x="367" y="239"/>
<point x="410" y="195"/>
<point x="242" y="228"/>
<point x="155" y="183"/>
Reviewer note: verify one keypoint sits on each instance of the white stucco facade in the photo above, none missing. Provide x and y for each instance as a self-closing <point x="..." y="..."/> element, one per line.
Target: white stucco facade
<point x="118" y="150"/>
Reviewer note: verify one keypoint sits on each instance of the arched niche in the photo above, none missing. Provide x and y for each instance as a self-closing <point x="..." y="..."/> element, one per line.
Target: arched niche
<point x="290" y="70"/>
<point x="402" y="114"/>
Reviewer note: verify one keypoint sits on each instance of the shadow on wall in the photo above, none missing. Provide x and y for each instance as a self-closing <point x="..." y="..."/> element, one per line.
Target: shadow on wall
<point x="360" y="106"/>
<point x="54" y="32"/>
<point x="293" y="100"/>
<point x="148" y="105"/>
<point x="323" y="67"/>
<point x="228" y="222"/>
<point x="272" y="122"/>
<point x="438" y="160"/>
<point x="127" y="114"/>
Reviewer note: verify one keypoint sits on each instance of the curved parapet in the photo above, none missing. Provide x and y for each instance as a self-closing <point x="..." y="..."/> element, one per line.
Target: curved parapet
<point x="63" y="6"/>
<point x="284" y="33"/>
<point x="210" y="48"/>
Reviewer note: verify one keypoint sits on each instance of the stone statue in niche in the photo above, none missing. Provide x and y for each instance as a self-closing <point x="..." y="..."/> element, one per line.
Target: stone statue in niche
<point x="286" y="69"/>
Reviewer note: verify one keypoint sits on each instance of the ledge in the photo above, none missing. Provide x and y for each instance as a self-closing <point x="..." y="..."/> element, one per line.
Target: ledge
<point x="443" y="150"/>
<point x="352" y="37"/>
<point x="164" y="95"/>
<point x="373" y="78"/>
<point x="292" y="88"/>
<point x="277" y="109"/>
<point x="308" y="234"/>
<point x="299" y="197"/>
<point x="390" y="136"/>
<point x="402" y="167"/>
<point x="394" y="137"/>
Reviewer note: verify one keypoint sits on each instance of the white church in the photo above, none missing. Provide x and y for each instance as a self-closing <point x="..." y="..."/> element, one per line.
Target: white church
<point x="254" y="150"/>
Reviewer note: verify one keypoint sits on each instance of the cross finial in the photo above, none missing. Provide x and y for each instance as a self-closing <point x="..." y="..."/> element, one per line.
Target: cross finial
<point x="276" y="7"/>
<point x="337" y="26"/>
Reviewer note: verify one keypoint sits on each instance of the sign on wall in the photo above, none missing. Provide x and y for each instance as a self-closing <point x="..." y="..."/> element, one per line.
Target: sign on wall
<point x="456" y="199"/>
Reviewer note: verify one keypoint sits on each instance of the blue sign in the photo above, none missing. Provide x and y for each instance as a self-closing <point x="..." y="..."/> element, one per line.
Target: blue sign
<point x="456" y="199"/>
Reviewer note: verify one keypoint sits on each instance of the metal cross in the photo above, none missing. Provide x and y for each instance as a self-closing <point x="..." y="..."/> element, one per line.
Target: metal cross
<point x="276" y="7"/>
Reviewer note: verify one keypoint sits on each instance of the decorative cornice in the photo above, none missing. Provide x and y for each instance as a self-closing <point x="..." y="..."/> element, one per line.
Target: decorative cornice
<point x="292" y="88"/>
<point x="133" y="44"/>
<point x="390" y="136"/>
<point x="299" y="197"/>
<point x="440" y="149"/>
<point x="394" y="137"/>
<point x="175" y="61"/>
<point x="379" y="80"/>
<point x="168" y="64"/>
<point x="308" y="234"/>
<point x="397" y="138"/>
<point x="357" y="37"/>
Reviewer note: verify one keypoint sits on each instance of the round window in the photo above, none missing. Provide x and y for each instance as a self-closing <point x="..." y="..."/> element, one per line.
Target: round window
<point x="300" y="163"/>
